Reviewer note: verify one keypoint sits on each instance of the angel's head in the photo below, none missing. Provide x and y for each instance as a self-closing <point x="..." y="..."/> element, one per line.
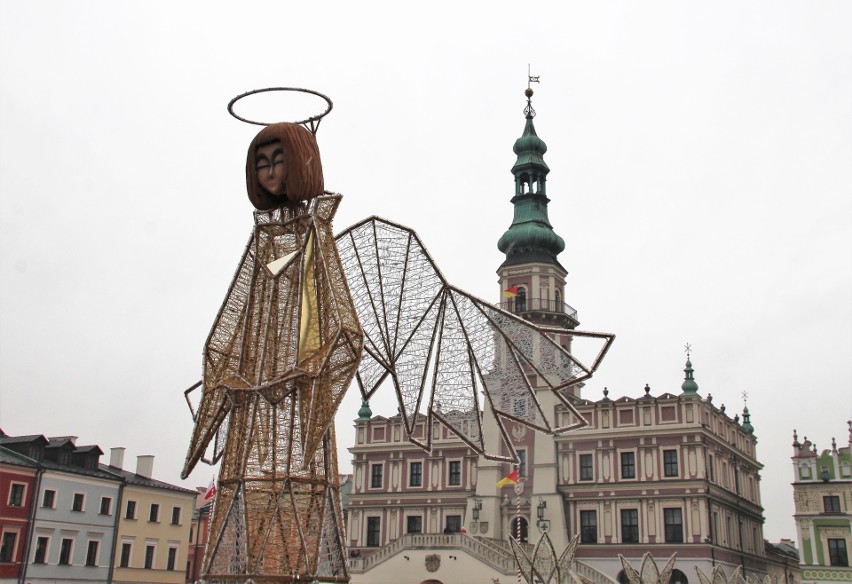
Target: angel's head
<point x="283" y="166"/>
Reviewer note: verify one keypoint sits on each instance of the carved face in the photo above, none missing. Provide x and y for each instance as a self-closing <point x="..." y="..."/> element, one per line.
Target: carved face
<point x="269" y="162"/>
<point x="283" y="167"/>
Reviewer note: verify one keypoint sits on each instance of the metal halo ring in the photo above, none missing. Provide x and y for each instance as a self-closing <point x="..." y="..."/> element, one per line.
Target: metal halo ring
<point x="312" y="122"/>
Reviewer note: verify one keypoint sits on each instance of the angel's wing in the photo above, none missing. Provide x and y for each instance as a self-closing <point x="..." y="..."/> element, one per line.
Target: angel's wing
<point x="447" y="353"/>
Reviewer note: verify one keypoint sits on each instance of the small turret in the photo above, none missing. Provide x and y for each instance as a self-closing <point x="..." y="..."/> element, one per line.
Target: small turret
<point x="689" y="385"/>
<point x="747" y="421"/>
<point x="365" y="414"/>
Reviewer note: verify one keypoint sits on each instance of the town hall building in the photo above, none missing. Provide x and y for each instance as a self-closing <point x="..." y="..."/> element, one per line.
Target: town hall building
<point x="666" y="472"/>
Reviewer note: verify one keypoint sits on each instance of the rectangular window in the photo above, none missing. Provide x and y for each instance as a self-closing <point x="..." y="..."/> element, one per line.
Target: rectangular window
<point x="837" y="555"/>
<point x="522" y="463"/>
<point x="628" y="465"/>
<point x="48" y="498"/>
<point x="630" y="526"/>
<point x="7" y="546"/>
<point x="154" y="513"/>
<point x="831" y="503"/>
<point x="79" y="500"/>
<point x="376" y="476"/>
<point x="125" y="555"/>
<point x="106" y="505"/>
<point x="588" y="527"/>
<point x="171" y="560"/>
<point x="374" y="528"/>
<point x="414" y="524"/>
<point x="92" y="554"/>
<point x="130" y="512"/>
<point x="673" y="520"/>
<point x="65" y="551"/>
<point x="670" y="463"/>
<point x="149" y="556"/>
<point x="175" y="515"/>
<point x="41" y="550"/>
<point x="415" y="474"/>
<point x="453" y="524"/>
<point x="455" y="473"/>
<point x="587" y="472"/>
<point x="712" y="469"/>
<point x="16" y="495"/>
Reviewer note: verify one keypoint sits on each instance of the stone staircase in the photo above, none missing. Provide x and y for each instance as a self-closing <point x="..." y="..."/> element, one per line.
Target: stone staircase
<point x="496" y="554"/>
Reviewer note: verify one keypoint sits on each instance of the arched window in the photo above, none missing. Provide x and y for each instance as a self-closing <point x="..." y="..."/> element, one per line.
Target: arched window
<point x="524" y="534"/>
<point x="521" y="299"/>
<point x="557" y="301"/>
<point x="678" y="577"/>
<point x="622" y="578"/>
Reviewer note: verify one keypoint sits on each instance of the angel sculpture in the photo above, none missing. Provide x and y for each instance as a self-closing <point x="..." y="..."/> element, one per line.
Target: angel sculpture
<point x="305" y="313"/>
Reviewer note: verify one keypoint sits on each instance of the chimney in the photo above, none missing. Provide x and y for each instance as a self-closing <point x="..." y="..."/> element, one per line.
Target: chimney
<point x="145" y="465"/>
<point x="116" y="457"/>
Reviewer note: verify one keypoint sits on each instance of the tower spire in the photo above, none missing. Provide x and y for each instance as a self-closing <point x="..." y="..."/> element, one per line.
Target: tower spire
<point x="530" y="237"/>
<point x="689" y="385"/>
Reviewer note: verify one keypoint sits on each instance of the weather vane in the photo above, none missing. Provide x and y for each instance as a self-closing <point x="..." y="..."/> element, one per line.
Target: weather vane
<point x="529" y="112"/>
<point x="745" y="398"/>
<point x="532" y="78"/>
<point x="688" y="349"/>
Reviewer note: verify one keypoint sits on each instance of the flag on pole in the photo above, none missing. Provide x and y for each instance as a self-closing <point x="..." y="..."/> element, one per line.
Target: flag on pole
<point x="510" y="479"/>
<point x="510" y="292"/>
<point x="211" y="490"/>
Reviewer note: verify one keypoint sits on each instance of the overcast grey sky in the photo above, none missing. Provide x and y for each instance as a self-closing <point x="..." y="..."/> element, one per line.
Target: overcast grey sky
<point x="701" y="157"/>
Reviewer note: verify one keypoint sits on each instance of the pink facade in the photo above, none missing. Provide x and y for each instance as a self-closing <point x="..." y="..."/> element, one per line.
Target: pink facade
<point x="17" y="493"/>
<point x="397" y="488"/>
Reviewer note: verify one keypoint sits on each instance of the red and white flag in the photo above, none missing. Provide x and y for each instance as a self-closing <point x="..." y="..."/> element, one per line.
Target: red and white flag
<point x="211" y="490"/>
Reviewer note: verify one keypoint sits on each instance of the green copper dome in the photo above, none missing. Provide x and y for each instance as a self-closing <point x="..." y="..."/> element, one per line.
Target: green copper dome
<point x="364" y="413"/>
<point x="531" y="237"/>
<point x="529" y="148"/>
<point x="747" y="421"/>
<point x="689" y="386"/>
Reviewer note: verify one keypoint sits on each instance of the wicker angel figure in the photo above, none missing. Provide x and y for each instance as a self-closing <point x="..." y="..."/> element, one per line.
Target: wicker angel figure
<point x="281" y="353"/>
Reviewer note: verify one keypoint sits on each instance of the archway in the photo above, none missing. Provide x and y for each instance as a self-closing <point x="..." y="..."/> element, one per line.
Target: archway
<point x="431" y="582"/>
<point x="524" y="533"/>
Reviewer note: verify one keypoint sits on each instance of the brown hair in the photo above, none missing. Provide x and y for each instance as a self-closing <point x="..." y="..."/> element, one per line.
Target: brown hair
<point x="302" y="166"/>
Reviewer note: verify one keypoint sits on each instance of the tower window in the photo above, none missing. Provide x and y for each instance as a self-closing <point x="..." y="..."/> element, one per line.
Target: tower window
<point x="670" y="463"/>
<point x="628" y="465"/>
<point x="455" y="473"/>
<point x="586" y="469"/>
<point x="521" y="299"/>
<point x="376" y="476"/>
<point x="415" y="475"/>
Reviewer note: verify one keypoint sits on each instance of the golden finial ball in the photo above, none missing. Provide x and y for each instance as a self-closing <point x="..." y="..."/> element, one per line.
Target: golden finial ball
<point x="528" y="92"/>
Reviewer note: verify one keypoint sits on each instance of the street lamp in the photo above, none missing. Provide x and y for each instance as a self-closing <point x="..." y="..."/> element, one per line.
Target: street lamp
<point x="477" y="507"/>
<point x="543" y="524"/>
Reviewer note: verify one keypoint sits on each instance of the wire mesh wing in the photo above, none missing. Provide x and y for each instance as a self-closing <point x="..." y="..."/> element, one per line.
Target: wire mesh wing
<point x="447" y="353"/>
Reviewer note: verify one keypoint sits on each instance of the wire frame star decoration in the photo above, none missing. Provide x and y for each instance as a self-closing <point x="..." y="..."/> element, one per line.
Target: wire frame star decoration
<point x="648" y="572"/>
<point x="544" y="567"/>
<point x="717" y="576"/>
